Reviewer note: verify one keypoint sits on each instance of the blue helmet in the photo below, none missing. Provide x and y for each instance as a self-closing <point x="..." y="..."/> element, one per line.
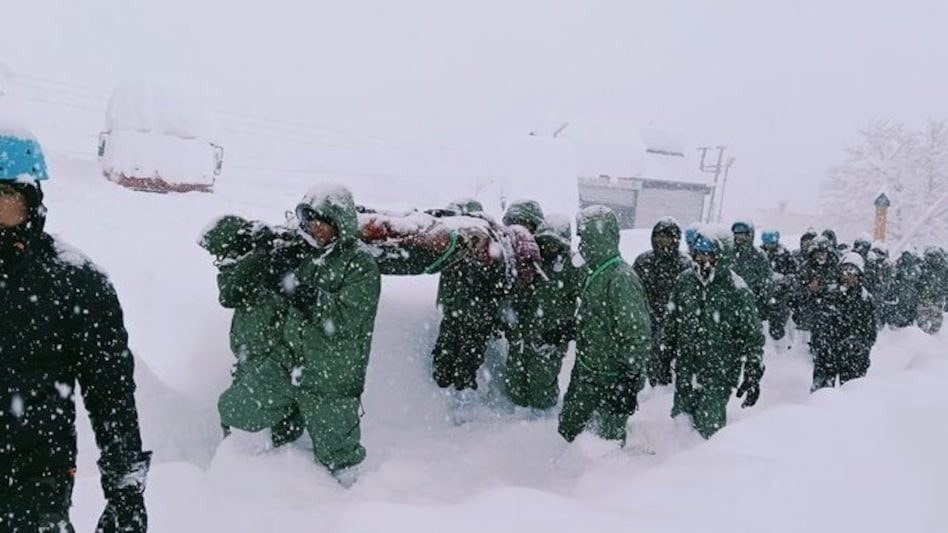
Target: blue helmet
<point x="21" y="158"/>
<point x="690" y="235"/>
<point x="770" y="237"/>
<point x="702" y="244"/>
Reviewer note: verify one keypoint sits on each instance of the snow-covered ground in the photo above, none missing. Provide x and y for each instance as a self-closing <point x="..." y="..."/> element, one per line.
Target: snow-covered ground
<point x="406" y="103"/>
<point x="867" y="457"/>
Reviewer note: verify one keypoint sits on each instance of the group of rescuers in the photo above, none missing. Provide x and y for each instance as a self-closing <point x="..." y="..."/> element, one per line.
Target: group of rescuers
<point x="305" y="293"/>
<point x="304" y="311"/>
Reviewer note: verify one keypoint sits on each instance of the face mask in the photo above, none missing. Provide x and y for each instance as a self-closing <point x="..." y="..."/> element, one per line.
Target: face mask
<point x="704" y="266"/>
<point x="13" y="243"/>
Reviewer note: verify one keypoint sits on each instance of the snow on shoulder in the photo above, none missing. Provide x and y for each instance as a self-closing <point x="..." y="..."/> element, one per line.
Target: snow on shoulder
<point x="70" y="255"/>
<point x="739" y="281"/>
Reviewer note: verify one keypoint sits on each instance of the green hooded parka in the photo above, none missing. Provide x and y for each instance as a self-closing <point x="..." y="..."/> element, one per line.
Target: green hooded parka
<point x="543" y="322"/>
<point x="332" y="298"/>
<point x="613" y="340"/>
<point x="711" y="332"/>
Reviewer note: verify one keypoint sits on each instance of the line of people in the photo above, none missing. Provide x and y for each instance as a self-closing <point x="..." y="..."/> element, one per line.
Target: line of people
<point x="298" y="368"/>
<point x="305" y="296"/>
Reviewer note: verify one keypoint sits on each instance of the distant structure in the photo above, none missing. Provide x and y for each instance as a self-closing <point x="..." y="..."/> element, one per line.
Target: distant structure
<point x="658" y="180"/>
<point x="157" y="139"/>
<point x="640" y="202"/>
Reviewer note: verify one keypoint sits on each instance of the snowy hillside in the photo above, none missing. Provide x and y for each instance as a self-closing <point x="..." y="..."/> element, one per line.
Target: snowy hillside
<point x="868" y="457"/>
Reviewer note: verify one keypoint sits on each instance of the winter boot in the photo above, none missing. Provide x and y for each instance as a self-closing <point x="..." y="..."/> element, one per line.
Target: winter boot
<point x="347" y="476"/>
<point x="464" y="405"/>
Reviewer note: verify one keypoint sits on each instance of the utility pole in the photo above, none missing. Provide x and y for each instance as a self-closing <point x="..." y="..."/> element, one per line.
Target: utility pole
<point x="712" y="168"/>
<point x="727" y="170"/>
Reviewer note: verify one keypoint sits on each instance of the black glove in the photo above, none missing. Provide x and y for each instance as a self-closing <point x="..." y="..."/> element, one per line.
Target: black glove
<point x="751" y="384"/>
<point x="622" y="398"/>
<point x="283" y="260"/>
<point x="123" y="483"/>
<point x="302" y="296"/>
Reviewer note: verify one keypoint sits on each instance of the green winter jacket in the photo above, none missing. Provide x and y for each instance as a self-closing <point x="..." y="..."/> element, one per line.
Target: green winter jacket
<point x="753" y="265"/>
<point x="613" y="330"/>
<point x="330" y="325"/>
<point x="245" y="285"/>
<point x="712" y="330"/>
<point x="471" y="290"/>
<point x="259" y="311"/>
<point x="545" y="310"/>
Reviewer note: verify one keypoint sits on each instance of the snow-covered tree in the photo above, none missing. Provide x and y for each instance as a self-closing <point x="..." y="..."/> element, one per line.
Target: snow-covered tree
<point x="911" y="167"/>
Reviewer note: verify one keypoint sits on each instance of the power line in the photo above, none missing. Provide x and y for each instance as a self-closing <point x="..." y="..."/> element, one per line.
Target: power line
<point x="53" y="102"/>
<point x="102" y="95"/>
<point x="80" y="96"/>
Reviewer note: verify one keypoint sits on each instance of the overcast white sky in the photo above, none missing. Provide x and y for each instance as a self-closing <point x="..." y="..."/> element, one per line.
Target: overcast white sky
<point x="785" y="84"/>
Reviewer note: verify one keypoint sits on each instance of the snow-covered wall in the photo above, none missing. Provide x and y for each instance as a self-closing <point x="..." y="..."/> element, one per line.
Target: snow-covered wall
<point x="159" y="131"/>
<point x="137" y="154"/>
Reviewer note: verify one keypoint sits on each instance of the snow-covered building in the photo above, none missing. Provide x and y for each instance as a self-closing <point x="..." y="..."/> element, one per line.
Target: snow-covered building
<point x="641" y="202"/>
<point x="158" y="139"/>
<point x="643" y="176"/>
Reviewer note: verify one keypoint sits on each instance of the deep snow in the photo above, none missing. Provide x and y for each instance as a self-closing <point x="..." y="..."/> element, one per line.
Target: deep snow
<point x="866" y="457"/>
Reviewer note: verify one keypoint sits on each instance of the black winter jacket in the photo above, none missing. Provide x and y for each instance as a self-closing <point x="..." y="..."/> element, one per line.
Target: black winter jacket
<point x="61" y="323"/>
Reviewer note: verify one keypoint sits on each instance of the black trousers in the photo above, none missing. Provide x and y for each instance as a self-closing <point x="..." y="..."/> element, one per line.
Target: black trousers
<point x="37" y="504"/>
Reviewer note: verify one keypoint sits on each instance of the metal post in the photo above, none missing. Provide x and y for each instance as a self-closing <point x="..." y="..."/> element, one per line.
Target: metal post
<point x="727" y="170"/>
<point x="716" y="168"/>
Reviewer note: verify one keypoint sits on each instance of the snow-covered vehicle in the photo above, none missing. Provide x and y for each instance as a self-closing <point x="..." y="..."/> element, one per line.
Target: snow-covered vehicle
<point x="158" y="139"/>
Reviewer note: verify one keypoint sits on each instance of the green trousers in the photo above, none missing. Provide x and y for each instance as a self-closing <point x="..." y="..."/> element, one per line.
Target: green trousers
<point x="263" y="396"/>
<point x="459" y="349"/>
<point x="586" y="406"/>
<point x="706" y="405"/>
<point x="532" y="378"/>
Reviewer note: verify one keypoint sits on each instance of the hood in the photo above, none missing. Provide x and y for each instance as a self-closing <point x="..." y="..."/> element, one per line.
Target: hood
<point x="820" y="243"/>
<point x="334" y="202"/>
<point x="750" y="226"/>
<point x="598" y="231"/>
<point x="935" y="256"/>
<point x="17" y="241"/>
<point x="666" y="225"/>
<point x="465" y="206"/>
<point x="555" y="229"/>
<point x="527" y="213"/>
